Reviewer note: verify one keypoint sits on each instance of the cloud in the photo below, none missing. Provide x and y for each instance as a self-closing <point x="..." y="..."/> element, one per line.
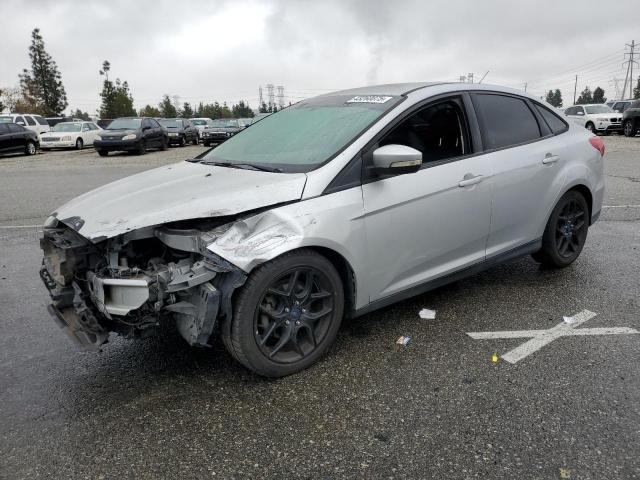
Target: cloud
<point x="203" y="50"/>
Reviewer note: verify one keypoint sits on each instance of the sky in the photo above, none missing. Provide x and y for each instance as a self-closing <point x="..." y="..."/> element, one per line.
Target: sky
<point x="224" y="50"/>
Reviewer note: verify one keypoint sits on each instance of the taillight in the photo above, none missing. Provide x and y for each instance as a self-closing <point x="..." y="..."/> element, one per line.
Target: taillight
<point x="598" y="144"/>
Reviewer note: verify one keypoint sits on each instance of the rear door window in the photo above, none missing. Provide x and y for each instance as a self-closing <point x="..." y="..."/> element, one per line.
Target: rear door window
<point x="505" y="120"/>
<point x="555" y="123"/>
<point x="30" y="120"/>
<point x="40" y="120"/>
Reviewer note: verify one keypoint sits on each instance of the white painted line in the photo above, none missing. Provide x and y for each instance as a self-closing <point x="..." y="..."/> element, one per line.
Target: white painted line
<point x="540" y="338"/>
<point x="20" y="226"/>
<point x="620" y="206"/>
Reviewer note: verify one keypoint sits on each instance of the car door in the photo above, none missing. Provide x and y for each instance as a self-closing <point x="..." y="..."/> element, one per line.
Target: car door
<point x="525" y="159"/>
<point x="18" y="139"/>
<point x="156" y="132"/>
<point x="5" y="137"/>
<point x="435" y="221"/>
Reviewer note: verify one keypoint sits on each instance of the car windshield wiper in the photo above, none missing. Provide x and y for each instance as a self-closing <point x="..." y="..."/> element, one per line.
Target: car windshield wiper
<point x="243" y="166"/>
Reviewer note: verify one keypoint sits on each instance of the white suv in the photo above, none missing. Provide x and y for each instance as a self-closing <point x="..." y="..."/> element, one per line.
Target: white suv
<point x="32" y="122"/>
<point x="597" y="118"/>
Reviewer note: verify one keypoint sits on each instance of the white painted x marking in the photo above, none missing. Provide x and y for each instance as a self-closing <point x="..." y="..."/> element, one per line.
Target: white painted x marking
<point x="540" y="338"/>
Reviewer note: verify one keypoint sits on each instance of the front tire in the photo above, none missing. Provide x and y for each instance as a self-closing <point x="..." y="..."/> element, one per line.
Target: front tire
<point x="195" y="140"/>
<point x="103" y="153"/>
<point x="591" y="127"/>
<point x="565" y="233"/>
<point x="286" y="315"/>
<point x="142" y="148"/>
<point x="79" y="144"/>
<point x="165" y="144"/>
<point x="183" y="141"/>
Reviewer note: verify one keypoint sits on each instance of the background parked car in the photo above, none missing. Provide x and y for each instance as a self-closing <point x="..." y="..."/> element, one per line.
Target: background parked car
<point x="619" y="106"/>
<point x="201" y="124"/>
<point x="631" y="119"/>
<point x="70" y="134"/>
<point x="180" y="131"/>
<point x="53" y="121"/>
<point x="597" y="118"/>
<point x="220" y="130"/>
<point x="32" y="122"/>
<point x="131" y="134"/>
<point x="16" y="138"/>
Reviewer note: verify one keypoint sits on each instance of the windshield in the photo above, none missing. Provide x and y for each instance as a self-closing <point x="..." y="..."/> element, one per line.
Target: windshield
<point x="4" y="119"/>
<point x="224" y="123"/>
<point x="199" y="122"/>
<point x="301" y="137"/>
<point x="124" y="123"/>
<point x="598" y="109"/>
<point x="66" y="127"/>
<point x="171" y="122"/>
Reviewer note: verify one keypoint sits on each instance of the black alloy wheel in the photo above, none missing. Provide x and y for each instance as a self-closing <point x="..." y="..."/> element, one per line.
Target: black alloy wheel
<point x="294" y="315"/>
<point x="566" y="231"/>
<point x="286" y="315"/>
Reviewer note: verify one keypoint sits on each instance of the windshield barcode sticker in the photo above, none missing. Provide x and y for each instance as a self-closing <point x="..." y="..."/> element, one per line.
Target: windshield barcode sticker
<point x="369" y="99"/>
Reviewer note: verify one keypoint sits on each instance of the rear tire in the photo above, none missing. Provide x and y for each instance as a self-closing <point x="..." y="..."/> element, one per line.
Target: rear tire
<point x="30" y="148"/>
<point x="565" y="233"/>
<point x="79" y="144"/>
<point x="629" y="128"/>
<point x="103" y="153"/>
<point x="195" y="140"/>
<point x="286" y="315"/>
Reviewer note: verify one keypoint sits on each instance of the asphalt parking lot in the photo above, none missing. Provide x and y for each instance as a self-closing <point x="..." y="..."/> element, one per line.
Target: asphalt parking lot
<point x="447" y="405"/>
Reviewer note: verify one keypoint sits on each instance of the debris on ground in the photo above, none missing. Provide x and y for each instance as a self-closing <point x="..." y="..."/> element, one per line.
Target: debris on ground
<point x="569" y="320"/>
<point x="403" y="340"/>
<point x="427" y="314"/>
<point x="494" y="358"/>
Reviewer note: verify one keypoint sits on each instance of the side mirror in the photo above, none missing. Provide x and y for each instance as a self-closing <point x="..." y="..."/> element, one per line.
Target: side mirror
<point x="20" y="123"/>
<point x="579" y="113"/>
<point x="144" y="129"/>
<point x="396" y="159"/>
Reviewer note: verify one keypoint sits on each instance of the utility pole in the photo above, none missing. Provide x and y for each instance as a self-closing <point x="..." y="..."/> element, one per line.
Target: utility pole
<point x="470" y="77"/>
<point x="525" y="86"/>
<point x="629" y="75"/>
<point x="575" y="90"/>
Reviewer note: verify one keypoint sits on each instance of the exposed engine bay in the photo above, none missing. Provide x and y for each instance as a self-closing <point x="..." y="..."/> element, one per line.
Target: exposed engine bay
<point x="132" y="283"/>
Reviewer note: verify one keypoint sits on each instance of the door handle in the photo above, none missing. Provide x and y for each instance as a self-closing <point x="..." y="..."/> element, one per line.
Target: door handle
<point x="470" y="180"/>
<point x="549" y="158"/>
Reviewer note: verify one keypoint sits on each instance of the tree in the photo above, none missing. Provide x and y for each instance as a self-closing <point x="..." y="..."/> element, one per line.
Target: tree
<point x="187" y="111"/>
<point x="557" y="98"/>
<point x="116" y="97"/>
<point x="636" y="90"/>
<point x="598" y="95"/>
<point x="241" y="110"/>
<point x="149" y="111"/>
<point x="80" y="114"/>
<point x="263" y="108"/>
<point x="585" y="97"/>
<point x="167" y="110"/>
<point x="11" y="98"/>
<point x="41" y="87"/>
<point x="554" y="98"/>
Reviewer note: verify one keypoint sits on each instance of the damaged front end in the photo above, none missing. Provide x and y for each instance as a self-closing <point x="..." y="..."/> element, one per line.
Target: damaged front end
<point x="132" y="283"/>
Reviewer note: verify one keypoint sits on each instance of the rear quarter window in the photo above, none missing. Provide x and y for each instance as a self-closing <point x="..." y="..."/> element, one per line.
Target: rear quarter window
<point x="40" y="120"/>
<point x="506" y="120"/>
<point x="555" y="123"/>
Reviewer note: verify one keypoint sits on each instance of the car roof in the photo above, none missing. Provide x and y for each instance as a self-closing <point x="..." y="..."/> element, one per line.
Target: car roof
<point x="393" y="89"/>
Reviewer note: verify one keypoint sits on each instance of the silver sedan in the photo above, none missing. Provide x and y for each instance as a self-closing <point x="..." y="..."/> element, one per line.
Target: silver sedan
<point x="328" y="209"/>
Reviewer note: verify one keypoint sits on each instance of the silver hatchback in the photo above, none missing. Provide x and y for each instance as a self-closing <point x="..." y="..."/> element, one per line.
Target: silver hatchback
<point x="331" y="208"/>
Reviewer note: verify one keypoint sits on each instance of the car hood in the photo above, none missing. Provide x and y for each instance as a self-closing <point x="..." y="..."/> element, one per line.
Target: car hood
<point x="119" y="131"/>
<point x="175" y="192"/>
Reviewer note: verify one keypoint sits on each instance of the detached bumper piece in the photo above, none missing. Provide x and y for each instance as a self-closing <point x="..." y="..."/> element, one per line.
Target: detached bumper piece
<point x="69" y="322"/>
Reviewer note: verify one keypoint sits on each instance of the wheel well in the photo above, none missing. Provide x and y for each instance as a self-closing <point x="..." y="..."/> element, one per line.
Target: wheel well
<point x="586" y="193"/>
<point x="346" y="275"/>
